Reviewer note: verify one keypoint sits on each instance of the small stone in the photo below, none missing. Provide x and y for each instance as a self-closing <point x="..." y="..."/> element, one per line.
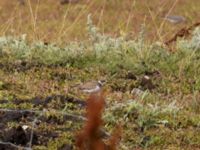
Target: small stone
<point x="175" y="19"/>
<point x="136" y="92"/>
<point x="25" y="127"/>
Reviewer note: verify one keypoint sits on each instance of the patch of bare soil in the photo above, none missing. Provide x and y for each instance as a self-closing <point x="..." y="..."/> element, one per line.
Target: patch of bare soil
<point x="28" y="128"/>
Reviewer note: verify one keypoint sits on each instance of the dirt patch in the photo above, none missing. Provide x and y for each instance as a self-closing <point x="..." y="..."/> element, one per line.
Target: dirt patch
<point x="36" y="124"/>
<point x="37" y="101"/>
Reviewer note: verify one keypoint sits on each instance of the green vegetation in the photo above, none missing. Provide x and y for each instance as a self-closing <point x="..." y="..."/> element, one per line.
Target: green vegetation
<point x="161" y="112"/>
<point x="164" y="117"/>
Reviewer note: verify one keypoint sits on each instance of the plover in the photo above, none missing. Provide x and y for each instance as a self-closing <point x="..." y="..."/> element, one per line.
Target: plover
<point x="92" y="86"/>
<point x="175" y="19"/>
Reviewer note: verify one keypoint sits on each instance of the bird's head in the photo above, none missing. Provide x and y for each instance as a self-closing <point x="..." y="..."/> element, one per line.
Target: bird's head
<point x="101" y="82"/>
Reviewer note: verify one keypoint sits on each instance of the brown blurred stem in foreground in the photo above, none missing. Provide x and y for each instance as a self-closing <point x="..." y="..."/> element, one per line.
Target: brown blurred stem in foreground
<point x="90" y="137"/>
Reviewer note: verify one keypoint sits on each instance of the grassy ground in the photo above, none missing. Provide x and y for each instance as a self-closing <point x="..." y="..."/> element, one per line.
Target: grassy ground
<point x="50" y="21"/>
<point x="41" y="76"/>
<point x="163" y="115"/>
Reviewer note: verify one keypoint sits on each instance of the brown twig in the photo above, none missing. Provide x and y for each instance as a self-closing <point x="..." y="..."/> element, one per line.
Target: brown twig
<point x="184" y="32"/>
<point x="90" y="138"/>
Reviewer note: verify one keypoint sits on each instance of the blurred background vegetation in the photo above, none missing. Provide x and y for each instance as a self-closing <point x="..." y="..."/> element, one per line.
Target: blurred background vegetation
<point x="50" y="20"/>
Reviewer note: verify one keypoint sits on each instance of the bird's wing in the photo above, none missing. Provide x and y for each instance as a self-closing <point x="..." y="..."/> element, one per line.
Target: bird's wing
<point x="88" y="85"/>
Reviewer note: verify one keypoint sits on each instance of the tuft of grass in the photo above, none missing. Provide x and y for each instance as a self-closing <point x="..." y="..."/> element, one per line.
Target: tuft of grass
<point x="107" y="52"/>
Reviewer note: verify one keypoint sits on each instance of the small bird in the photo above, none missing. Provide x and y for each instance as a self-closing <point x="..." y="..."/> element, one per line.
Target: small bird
<point x="92" y="86"/>
<point x="175" y="19"/>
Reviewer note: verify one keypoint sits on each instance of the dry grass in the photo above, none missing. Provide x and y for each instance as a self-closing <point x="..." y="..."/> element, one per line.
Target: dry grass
<point x="50" y="21"/>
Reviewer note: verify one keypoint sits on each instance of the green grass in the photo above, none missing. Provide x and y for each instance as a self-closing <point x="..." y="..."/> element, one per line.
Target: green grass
<point x="166" y="117"/>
